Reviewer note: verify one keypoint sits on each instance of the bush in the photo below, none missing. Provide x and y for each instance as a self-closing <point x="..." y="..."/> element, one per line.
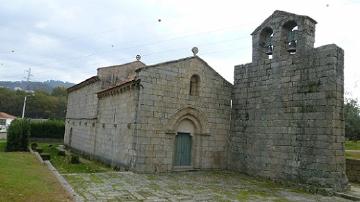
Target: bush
<point x="18" y="135"/>
<point x="34" y="146"/>
<point x="73" y="159"/>
<point x="48" y="129"/>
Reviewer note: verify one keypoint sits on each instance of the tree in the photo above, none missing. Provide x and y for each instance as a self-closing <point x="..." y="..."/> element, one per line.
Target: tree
<point x="59" y="92"/>
<point x="39" y="105"/>
<point x="352" y="119"/>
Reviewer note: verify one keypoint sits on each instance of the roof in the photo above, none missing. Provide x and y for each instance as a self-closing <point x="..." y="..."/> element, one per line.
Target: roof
<point x="118" y="88"/>
<point x="83" y="83"/>
<point x="4" y="115"/>
<point x="125" y="64"/>
<point x="277" y="14"/>
<point x="184" y="59"/>
<point x="132" y="79"/>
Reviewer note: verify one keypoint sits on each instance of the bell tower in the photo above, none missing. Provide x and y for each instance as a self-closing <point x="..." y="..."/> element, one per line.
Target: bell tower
<point x="283" y="35"/>
<point x="288" y="106"/>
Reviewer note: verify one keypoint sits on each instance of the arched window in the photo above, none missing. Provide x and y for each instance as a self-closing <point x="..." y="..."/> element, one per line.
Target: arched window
<point x="290" y="36"/>
<point x="194" y="85"/>
<point x="266" y="44"/>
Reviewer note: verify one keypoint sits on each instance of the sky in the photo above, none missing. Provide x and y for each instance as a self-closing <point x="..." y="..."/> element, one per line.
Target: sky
<point x="68" y="40"/>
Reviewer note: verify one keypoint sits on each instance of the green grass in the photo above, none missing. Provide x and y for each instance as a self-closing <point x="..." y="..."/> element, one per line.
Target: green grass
<point x="352" y="154"/>
<point x="23" y="178"/>
<point x="352" y="145"/>
<point x="62" y="165"/>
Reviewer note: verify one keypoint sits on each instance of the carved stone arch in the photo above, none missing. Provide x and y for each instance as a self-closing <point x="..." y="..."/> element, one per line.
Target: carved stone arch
<point x="195" y="116"/>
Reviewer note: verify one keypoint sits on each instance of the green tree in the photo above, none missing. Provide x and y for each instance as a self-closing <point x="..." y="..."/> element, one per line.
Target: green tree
<point x="39" y="104"/>
<point x="352" y="119"/>
<point x="59" y="92"/>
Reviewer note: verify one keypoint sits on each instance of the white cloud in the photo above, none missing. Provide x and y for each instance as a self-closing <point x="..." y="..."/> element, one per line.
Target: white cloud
<point x="68" y="40"/>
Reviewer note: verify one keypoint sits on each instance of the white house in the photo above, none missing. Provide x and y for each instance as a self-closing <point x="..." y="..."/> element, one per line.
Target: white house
<point x="5" y="120"/>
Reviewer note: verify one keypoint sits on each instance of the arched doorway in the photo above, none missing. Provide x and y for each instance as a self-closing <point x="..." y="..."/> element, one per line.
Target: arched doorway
<point x="189" y="128"/>
<point x="184" y="143"/>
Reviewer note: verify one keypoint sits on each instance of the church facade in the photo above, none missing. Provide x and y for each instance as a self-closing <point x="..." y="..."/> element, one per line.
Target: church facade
<point x="282" y="118"/>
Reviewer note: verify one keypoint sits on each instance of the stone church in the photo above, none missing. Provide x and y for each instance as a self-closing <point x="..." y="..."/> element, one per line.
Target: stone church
<point x="282" y="119"/>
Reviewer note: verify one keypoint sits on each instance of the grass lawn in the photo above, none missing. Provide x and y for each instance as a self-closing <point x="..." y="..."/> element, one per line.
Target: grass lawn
<point x="352" y="145"/>
<point x="352" y="154"/>
<point x="61" y="164"/>
<point x="23" y="178"/>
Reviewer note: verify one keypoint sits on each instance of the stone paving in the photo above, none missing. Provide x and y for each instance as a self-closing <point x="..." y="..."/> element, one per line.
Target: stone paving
<point x="184" y="186"/>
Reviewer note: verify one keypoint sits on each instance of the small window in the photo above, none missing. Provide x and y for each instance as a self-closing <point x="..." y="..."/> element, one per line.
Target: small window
<point x="194" y="85"/>
<point x="2" y="122"/>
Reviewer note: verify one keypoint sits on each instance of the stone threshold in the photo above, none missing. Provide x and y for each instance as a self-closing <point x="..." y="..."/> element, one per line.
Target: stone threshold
<point x="184" y="169"/>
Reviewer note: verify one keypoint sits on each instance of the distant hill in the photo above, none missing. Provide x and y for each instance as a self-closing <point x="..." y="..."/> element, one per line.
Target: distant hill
<point x="46" y="86"/>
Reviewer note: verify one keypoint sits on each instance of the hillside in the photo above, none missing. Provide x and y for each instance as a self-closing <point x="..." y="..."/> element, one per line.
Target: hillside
<point x="46" y="86"/>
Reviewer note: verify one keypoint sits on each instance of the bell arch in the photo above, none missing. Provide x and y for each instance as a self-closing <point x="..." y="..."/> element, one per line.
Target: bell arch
<point x="266" y="42"/>
<point x="289" y="37"/>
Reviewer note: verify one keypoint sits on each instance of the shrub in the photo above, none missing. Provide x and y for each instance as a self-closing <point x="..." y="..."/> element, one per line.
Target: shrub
<point x="48" y="129"/>
<point x="34" y="146"/>
<point x="18" y="135"/>
<point x="72" y="159"/>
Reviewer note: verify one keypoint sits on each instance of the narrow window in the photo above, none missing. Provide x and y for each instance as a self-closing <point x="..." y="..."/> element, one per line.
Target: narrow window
<point x="194" y="85"/>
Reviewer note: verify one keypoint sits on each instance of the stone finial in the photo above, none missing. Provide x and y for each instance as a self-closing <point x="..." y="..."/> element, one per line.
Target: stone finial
<point x="195" y="50"/>
<point x="138" y="57"/>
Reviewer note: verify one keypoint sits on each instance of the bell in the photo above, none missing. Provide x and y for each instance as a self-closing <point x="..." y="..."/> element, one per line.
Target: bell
<point x="269" y="50"/>
<point x="292" y="46"/>
<point x="291" y="42"/>
<point x="268" y="46"/>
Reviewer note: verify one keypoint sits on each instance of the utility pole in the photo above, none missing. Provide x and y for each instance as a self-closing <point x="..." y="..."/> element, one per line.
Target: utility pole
<point x="27" y="87"/>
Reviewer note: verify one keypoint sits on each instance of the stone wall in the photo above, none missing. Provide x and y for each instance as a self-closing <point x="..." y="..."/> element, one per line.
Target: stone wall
<point x="114" y="75"/>
<point x="165" y="101"/>
<point x="82" y="103"/>
<point x="353" y="170"/>
<point x="115" y="127"/>
<point x="81" y="116"/>
<point x="288" y="111"/>
<point x="80" y="135"/>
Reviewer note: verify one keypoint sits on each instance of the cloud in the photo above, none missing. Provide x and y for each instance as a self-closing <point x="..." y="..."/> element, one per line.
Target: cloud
<point x="67" y="40"/>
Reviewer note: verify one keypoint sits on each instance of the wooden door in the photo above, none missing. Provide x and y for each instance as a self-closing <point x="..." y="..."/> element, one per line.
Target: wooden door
<point x="183" y="149"/>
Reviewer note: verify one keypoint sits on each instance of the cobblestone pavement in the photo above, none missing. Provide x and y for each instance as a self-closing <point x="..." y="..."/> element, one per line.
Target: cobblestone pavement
<point x="184" y="186"/>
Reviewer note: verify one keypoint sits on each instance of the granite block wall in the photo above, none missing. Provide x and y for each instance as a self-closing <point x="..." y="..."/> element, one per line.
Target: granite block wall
<point x="288" y="118"/>
<point x="81" y="115"/>
<point x="82" y="103"/>
<point x="165" y="100"/>
<point x="115" y="128"/>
